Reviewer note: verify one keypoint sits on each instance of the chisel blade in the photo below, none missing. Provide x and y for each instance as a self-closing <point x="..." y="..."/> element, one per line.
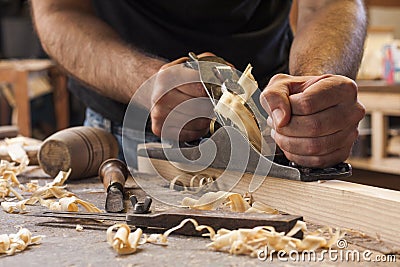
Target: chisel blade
<point x="114" y="200"/>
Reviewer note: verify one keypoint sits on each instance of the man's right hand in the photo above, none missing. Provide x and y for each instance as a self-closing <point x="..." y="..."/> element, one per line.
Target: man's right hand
<point x="175" y="84"/>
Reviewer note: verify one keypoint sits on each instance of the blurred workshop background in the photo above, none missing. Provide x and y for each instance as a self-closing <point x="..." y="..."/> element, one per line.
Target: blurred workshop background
<point x="34" y="100"/>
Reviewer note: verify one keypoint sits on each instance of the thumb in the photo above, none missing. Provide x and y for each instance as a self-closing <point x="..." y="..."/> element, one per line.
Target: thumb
<point x="275" y="100"/>
<point x="275" y="97"/>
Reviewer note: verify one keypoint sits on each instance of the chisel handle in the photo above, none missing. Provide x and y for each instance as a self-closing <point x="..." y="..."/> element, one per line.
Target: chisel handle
<point x="113" y="171"/>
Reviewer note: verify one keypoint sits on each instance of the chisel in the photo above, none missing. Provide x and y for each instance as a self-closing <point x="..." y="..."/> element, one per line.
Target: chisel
<point x="113" y="174"/>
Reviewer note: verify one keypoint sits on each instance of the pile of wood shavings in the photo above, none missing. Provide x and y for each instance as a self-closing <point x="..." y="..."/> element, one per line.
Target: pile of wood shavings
<point x="10" y="170"/>
<point x="238" y="242"/>
<point x="55" y="189"/>
<point x="67" y="200"/>
<point x="13" y="243"/>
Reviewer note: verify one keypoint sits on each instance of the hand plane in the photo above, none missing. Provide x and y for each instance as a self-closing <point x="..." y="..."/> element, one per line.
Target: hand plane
<point x="239" y="137"/>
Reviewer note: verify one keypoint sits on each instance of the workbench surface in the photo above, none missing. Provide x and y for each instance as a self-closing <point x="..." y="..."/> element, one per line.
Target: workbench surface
<point x="64" y="246"/>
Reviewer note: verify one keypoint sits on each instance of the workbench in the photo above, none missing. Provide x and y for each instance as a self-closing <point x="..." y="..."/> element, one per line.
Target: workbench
<point x="65" y="246"/>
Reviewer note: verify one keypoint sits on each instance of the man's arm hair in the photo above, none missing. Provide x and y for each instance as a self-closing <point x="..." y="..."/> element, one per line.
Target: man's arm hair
<point x="330" y="37"/>
<point x="91" y="50"/>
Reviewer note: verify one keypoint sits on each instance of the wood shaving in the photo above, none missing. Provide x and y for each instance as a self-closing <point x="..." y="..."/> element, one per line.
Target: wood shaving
<point x="197" y="183"/>
<point x="14" y="243"/>
<point x="55" y="188"/>
<point x="52" y="191"/>
<point x="69" y="204"/>
<point x="32" y="186"/>
<point x="234" y="201"/>
<point x="11" y="166"/>
<point x="248" y="83"/>
<point x="7" y="181"/>
<point x="18" y="154"/>
<point x="79" y="228"/>
<point x="18" y="207"/>
<point x="232" y="106"/>
<point x="123" y="242"/>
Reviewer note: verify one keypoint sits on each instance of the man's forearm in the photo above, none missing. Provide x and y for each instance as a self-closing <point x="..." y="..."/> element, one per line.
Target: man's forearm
<point x="329" y="39"/>
<point x="91" y="50"/>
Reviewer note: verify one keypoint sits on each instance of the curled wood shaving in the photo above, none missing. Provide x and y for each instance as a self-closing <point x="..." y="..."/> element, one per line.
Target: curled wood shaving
<point x="7" y="181"/>
<point x="123" y="242"/>
<point x="69" y="204"/>
<point x="197" y="183"/>
<point x="13" y="243"/>
<point x="232" y="106"/>
<point x="18" y="207"/>
<point x="52" y="191"/>
<point x="236" y="203"/>
<point x="55" y="188"/>
<point x="10" y="166"/>
<point x="18" y="154"/>
<point x="32" y="186"/>
<point x="8" y="177"/>
<point x="248" y="83"/>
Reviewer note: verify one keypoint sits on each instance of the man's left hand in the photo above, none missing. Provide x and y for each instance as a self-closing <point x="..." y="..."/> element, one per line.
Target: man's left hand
<point x="314" y="118"/>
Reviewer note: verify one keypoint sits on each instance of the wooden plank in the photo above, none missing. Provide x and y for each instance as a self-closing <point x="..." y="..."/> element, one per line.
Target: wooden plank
<point x="371" y="210"/>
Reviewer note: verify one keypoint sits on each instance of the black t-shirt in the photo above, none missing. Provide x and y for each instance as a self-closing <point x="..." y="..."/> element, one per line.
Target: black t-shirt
<point x="240" y="31"/>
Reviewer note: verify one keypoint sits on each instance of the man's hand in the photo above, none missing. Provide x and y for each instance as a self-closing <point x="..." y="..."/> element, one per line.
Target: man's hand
<point x="170" y="116"/>
<point x="314" y="118"/>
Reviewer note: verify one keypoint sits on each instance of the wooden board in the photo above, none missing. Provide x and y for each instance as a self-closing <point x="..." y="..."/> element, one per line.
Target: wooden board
<point x="372" y="210"/>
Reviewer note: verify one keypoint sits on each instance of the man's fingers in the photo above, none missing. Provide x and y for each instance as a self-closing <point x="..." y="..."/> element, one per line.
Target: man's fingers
<point x="323" y="94"/>
<point x="323" y="123"/>
<point x="316" y="146"/>
<point x="323" y="161"/>
<point x="176" y="97"/>
<point x="275" y="97"/>
<point x="177" y="76"/>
